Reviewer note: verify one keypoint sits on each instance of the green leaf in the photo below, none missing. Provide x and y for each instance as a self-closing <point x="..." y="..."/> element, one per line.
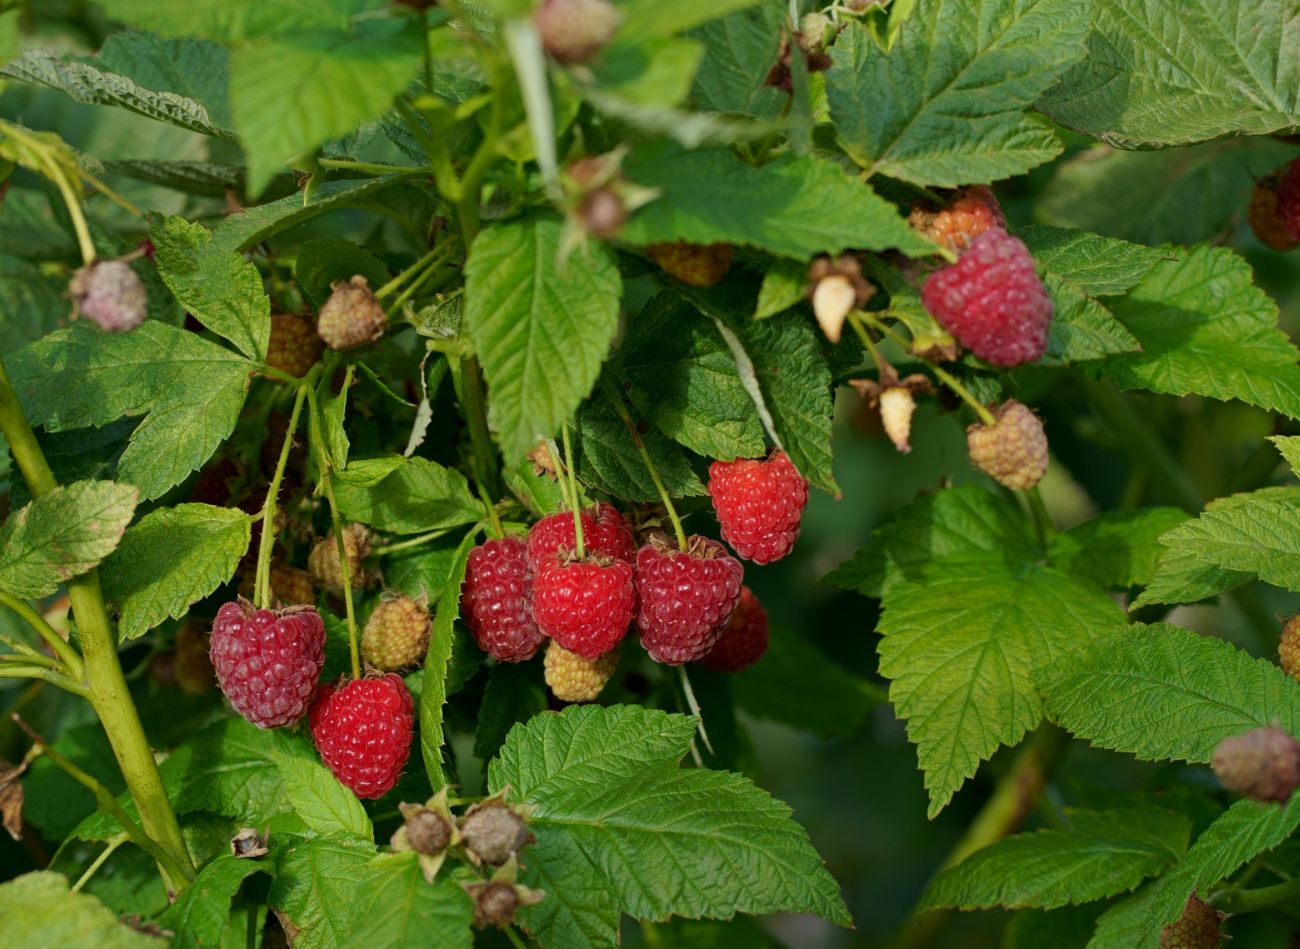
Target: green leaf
<point x="685" y="380"/>
<point x="1082" y="328"/>
<point x="793" y="207"/>
<point x="62" y="535"/>
<point x="1099" y="266"/>
<point x="1206" y="329"/>
<point x="396" y="908"/>
<point x="315" y="888"/>
<point x="200" y="913"/>
<point x="433" y="689"/>
<point x="40" y="910"/>
<point x="1100" y="854"/>
<point x="515" y="693"/>
<point x="1161" y="692"/>
<point x="39" y="297"/>
<point x="609" y="460"/>
<point x="87" y="81"/>
<point x="542" y="329"/>
<point x="958" y="79"/>
<point x="739" y="52"/>
<point x="784" y="285"/>
<point x="654" y="74"/>
<point x="323" y="261"/>
<point x="196" y="68"/>
<point x="232" y="20"/>
<point x="218" y="288"/>
<point x="648" y="19"/>
<point x="290" y="93"/>
<point x="172" y="559"/>
<point x="1289" y="446"/>
<point x="620" y="827"/>
<point x="415" y="497"/>
<point x="191" y="390"/>
<point x="1118" y="549"/>
<point x="1171" y="74"/>
<point x="324" y="804"/>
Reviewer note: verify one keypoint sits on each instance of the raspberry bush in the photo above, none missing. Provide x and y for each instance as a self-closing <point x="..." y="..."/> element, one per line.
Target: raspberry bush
<point x="467" y="463"/>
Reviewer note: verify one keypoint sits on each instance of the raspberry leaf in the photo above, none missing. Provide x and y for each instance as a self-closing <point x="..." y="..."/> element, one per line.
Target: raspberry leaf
<point x="1099" y="854"/>
<point x="394" y="906"/>
<point x="62" y="535"/>
<point x="1118" y="549"/>
<point x="433" y="682"/>
<point x="416" y="496"/>
<point x="649" y="19"/>
<point x="515" y="693"/>
<point x="1161" y="692"/>
<point x="610" y="462"/>
<point x="960" y="77"/>
<point x="170" y="560"/>
<point x="231" y="20"/>
<point x="739" y="50"/>
<point x="202" y="910"/>
<point x="1099" y="266"/>
<point x="321" y="262"/>
<point x="323" y="804"/>
<point x="542" y="329"/>
<point x="315" y="888"/>
<point x="1173" y="74"/>
<point x="621" y="828"/>
<point x="39" y="909"/>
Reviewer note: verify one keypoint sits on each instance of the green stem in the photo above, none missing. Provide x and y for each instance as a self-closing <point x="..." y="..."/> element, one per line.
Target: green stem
<point x="409" y="542"/>
<point x="262" y="581"/>
<point x="402" y="277"/>
<point x="616" y="400"/>
<point x="869" y="343"/>
<point x="429" y="273"/>
<point x="944" y="376"/>
<point x="16" y="670"/>
<point x="373" y="168"/>
<point x="1042" y="519"/>
<point x="428" y="51"/>
<point x="1233" y="900"/>
<point x="465" y="194"/>
<point x="694" y="706"/>
<point x="475" y="407"/>
<point x="73" y="203"/>
<point x="494" y="521"/>
<point x="62" y="648"/>
<point x="573" y="491"/>
<point x="110" y="847"/>
<point x="336" y="522"/>
<point x="108" y="691"/>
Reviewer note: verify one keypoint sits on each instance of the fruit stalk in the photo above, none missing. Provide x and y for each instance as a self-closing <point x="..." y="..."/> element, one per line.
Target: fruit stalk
<point x="573" y="493"/>
<point x="1235" y="901"/>
<point x="262" y="583"/>
<point x="109" y="695"/>
<point x="617" y="401"/>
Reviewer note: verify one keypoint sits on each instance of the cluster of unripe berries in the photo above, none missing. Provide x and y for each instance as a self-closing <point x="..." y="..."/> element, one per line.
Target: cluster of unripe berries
<point x="688" y="603"/>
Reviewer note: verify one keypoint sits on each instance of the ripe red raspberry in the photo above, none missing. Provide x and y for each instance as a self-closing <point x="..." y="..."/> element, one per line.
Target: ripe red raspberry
<point x="584" y="605"/>
<point x="759" y="505"/>
<point x="363" y="730"/>
<point x="1263" y="764"/>
<point x="992" y="300"/>
<point x="1265" y="220"/>
<point x="1013" y="450"/>
<point x="604" y="533"/>
<point x="573" y="31"/>
<point x="1288" y="650"/>
<point x="972" y="212"/>
<point x="109" y="293"/>
<point x="267" y="661"/>
<point x="686" y="596"/>
<point x="1196" y="928"/>
<point x="495" y="600"/>
<point x="351" y="316"/>
<point x="574" y="679"/>
<point x="744" y="639"/>
<point x="396" y="634"/>
<point x="700" y="265"/>
<point x="294" y="346"/>
<point x="1288" y="199"/>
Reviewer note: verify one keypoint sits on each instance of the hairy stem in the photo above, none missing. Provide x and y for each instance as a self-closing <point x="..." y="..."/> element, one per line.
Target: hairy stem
<point x="262" y="582"/>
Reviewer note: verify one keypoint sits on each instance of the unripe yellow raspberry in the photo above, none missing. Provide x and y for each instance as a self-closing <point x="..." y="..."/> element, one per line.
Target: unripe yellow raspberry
<point x="396" y="635"/>
<point x="574" y="679"/>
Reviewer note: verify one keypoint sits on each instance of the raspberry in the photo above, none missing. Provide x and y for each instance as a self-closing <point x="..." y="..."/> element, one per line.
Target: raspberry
<point x="604" y="533"/>
<point x="396" y="634"/>
<point x="1265" y="219"/>
<point x="574" y="679"/>
<point x="294" y="346"/>
<point x="194" y="672"/>
<point x="992" y="300"/>
<point x="267" y="661"/>
<point x="493" y="832"/>
<point x="584" y="605"/>
<point x="110" y="294"/>
<point x="759" y="505"/>
<point x="744" y="638"/>
<point x="363" y="732"/>
<point x="1197" y="928"/>
<point x="428" y="832"/>
<point x="351" y="316"/>
<point x="972" y="212"/>
<point x="1013" y="450"/>
<point x="687" y="596"/>
<point x="495" y="600"/>
<point x="292" y="586"/>
<point x="1263" y="763"/>
<point x="1288" y="199"/>
<point x="573" y="31"/>
<point x="700" y="265"/>
<point x="323" y="561"/>
<point x="1288" y="650"/>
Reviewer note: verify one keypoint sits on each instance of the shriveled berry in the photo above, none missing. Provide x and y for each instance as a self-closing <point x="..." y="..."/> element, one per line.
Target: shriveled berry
<point x="496" y="600"/>
<point x="110" y="294"/>
<point x="602" y="213"/>
<point x="294" y="346"/>
<point x="573" y="31"/>
<point x="428" y="832"/>
<point x="1288" y="199"/>
<point x="267" y="661"/>
<point x="584" y="605"/>
<point x="494" y="903"/>
<point x="1011" y="451"/>
<point x="1196" y="928"/>
<point x="759" y="504"/>
<point x="323" y="561"/>
<point x="363" y="731"/>
<point x="493" y="832"/>
<point x="992" y="301"/>
<point x="351" y="316"/>
<point x="687" y="597"/>
<point x="604" y="533"/>
<point x="744" y="639"/>
<point x="572" y="678"/>
<point x="1263" y="763"/>
<point x="955" y="226"/>
<point x="396" y="634"/>
<point x="1288" y="650"/>
<point x="1265" y="220"/>
<point x="700" y="265"/>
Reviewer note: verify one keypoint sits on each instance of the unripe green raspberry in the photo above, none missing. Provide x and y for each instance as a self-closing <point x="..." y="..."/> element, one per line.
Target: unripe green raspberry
<point x="1011" y="451"/>
<point x="396" y="634"/>
<point x="1288" y="650"/>
<point x="351" y="316"/>
<point x="323" y="561"/>
<point x="1197" y="928"/>
<point x="294" y="346"/>
<point x="574" y="679"/>
<point x="1263" y="764"/>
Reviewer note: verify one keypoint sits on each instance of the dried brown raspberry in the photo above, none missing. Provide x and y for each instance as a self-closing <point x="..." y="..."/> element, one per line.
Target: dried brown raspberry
<point x="1265" y="220"/>
<point x="493" y="831"/>
<point x="1288" y="650"/>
